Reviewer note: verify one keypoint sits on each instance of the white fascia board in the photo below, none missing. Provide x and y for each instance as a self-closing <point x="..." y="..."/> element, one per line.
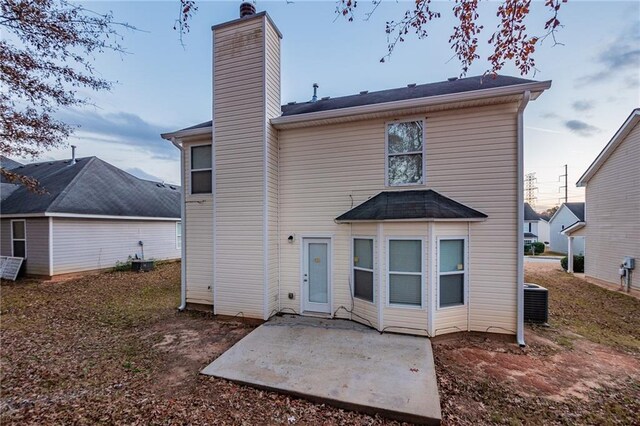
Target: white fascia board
<point x="180" y="134"/>
<point x="616" y="140"/>
<point x="573" y="228"/>
<point x="535" y="88"/>
<point x="87" y="216"/>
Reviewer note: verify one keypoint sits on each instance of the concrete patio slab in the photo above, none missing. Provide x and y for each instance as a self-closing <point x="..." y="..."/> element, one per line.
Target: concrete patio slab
<point x="338" y="362"/>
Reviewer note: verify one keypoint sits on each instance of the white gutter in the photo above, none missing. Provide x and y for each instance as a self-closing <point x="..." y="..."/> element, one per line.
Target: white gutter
<point x="87" y="216"/>
<point x="516" y="89"/>
<point x="186" y="133"/>
<point x="520" y="199"/>
<point x="183" y="222"/>
<point x="573" y="228"/>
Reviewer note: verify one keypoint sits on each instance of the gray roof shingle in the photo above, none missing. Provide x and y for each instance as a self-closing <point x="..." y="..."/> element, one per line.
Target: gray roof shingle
<point x="93" y="187"/>
<point x="577" y="209"/>
<point x="529" y="213"/>
<point x="406" y="205"/>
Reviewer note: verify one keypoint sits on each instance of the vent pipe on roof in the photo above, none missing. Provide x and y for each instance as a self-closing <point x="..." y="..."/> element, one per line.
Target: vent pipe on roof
<point x="73" y="154"/>
<point x="247" y="9"/>
<point x="315" y="92"/>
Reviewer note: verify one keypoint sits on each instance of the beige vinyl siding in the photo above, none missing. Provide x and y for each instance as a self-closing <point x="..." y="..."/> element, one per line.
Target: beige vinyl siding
<point x="272" y="80"/>
<point x="470" y="157"/>
<point x="90" y="244"/>
<point x="197" y="236"/>
<point x="612" y="213"/>
<point x="37" y="244"/>
<point x="239" y="134"/>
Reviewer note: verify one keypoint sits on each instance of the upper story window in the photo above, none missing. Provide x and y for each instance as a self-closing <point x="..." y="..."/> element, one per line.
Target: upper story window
<point x="405" y="153"/>
<point x="201" y="169"/>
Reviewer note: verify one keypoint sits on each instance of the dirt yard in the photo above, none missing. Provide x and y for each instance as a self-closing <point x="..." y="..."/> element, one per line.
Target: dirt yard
<point x="111" y="349"/>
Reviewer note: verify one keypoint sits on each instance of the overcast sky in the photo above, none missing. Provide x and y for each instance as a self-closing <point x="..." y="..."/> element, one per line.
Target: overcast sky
<point x="163" y="86"/>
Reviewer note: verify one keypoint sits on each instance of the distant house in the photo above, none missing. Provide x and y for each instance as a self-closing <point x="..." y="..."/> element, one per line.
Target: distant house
<point x="611" y="227"/>
<point x="387" y="207"/>
<point x="90" y="216"/>
<point x="536" y="228"/>
<point x="567" y="215"/>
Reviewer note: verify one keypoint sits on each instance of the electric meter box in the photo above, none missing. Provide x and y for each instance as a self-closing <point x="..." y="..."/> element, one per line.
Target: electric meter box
<point x="629" y="262"/>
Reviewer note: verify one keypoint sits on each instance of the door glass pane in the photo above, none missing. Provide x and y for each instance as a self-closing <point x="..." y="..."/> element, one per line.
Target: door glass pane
<point x="318" y="273"/>
<point x="451" y="290"/>
<point x="363" y="253"/>
<point x="405" y="137"/>
<point x="201" y="157"/>
<point x="405" y="255"/>
<point x="451" y="255"/>
<point x="201" y="182"/>
<point x="363" y="284"/>
<point x="405" y="289"/>
<point x="18" y="249"/>
<point x="18" y="230"/>
<point x="404" y="169"/>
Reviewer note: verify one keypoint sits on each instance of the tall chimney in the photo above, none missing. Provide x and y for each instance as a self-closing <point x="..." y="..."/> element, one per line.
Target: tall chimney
<point x="73" y="154"/>
<point x="247" y="9"/>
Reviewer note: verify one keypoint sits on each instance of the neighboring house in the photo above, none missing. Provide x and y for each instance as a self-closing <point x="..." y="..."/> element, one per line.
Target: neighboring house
<point x="536" y="228"/>
<point x="567" y="215"/>
<point x="401" y="209"/>
<point x="89" y="216"/>
<point x="611" y="225"/>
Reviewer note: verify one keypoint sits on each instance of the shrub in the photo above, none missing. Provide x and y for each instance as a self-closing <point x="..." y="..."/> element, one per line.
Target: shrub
<point x="534" y="248"/>
<point x="123" y="266"/>
<point x="578" y="263"/>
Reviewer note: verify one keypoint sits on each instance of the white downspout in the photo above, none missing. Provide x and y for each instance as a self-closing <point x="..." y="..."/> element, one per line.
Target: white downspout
<point x="183" y="233"/>
<point x="520" y="254"/>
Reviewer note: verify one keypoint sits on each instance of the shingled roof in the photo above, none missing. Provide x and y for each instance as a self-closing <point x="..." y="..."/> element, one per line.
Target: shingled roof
<point x="93" y="187"/>
<point x="577" y="209"/>
<point x="530" y="213"/>
<point x="424" y="204"/>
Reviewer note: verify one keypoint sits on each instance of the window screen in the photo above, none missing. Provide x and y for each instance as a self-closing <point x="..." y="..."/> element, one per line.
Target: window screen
<point x="405" y="272"/>
<point x="201" y="169"/>
<point x="363" y="268"/>
<point x="452" y="273"/>
<point x="19" y="238"/>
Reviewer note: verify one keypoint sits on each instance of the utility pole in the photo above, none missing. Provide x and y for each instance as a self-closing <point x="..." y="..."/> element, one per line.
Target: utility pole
<point x="565" y="186"/>
<point x="530" y="189"/>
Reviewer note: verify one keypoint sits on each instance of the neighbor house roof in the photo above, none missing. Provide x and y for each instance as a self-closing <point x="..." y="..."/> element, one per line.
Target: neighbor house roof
<point x="530" y="235"/>
<point x="8" y="163"/>
<point x="410" y="205"/>
<point x="573" y="228"/>
<point x="91" y="186"/>
<point x="529" y="213"/>
<point x="616" y="140"/>
<point x="439" y="92"/>
<point x="577" y="209"/>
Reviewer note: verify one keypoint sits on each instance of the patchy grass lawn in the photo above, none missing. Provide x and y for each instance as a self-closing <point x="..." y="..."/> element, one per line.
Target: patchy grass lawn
<point x="111" y="348"/>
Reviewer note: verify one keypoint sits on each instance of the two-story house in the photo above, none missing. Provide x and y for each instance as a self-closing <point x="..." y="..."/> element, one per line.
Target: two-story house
<point x="401" y="209"/>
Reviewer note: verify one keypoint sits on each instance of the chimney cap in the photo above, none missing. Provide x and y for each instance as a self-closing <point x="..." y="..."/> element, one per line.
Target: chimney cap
<point x="247" y="9"/>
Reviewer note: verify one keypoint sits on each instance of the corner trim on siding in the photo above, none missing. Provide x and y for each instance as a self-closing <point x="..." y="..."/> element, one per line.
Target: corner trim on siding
<point x="381" y="276"/>
<point x="214" y="168"/>
<point x="183" y="224"/>
<point x="265" y="192"/>
<point x="50" y="246"/>
<point x="431" y="302"/>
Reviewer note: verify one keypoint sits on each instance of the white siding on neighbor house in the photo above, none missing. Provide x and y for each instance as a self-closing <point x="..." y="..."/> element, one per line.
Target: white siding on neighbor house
<point x="558" y="242"/>
<point x="90" y="244"/>
<point x="37" y="244"/>
<point x="197" y="235"/>
<point x="470" y="157"/>
<point x="543" y="231"/>
<point x="240" y="122"/>
<point x="613" y="213"/>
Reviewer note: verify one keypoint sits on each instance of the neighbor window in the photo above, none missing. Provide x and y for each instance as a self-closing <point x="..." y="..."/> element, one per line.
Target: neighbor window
<point x="405" y="153"/>
<point x="452" y="272"/>
<point x="178" y="235"/>
<point x="405" y="272"/>
<point x="201" y="169"/>
<point x="19" y="238"/>
<point x="363" y="268"/>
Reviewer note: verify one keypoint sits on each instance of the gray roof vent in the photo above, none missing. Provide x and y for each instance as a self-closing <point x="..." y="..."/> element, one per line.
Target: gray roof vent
<point x="411" y="85"/>
<point x="247" y="9"/>
<point x="364" y="92"/>
<point x="315" y="92"/>
<point x="326" y="98"/>
<point x="291" y="103"/>
<point x="452" y="78"/>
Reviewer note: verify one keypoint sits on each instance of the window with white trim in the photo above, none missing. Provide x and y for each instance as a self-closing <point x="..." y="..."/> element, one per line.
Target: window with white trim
<point x="452" y="270"/>
<point x="19" y="238"/>
<point x="363" y="268"/>
<point x="405" y="153"/>
<point x="201" y="169"/>
<point x="178" y="235"/>
<point x="405" y="272"/>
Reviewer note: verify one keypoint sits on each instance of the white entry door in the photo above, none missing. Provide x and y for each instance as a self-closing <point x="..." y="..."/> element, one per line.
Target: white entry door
<point x="316" y="275"/>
